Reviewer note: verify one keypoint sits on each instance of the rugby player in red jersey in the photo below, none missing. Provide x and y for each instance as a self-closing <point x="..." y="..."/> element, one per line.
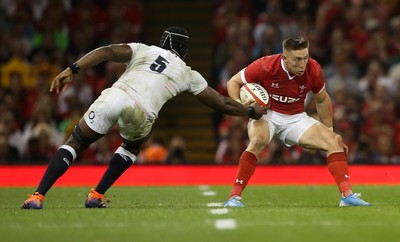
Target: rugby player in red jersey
<point x="288" y="77"/>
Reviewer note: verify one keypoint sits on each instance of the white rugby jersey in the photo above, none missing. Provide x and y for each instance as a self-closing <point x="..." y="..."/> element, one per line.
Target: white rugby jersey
<point x="155" y="75"/>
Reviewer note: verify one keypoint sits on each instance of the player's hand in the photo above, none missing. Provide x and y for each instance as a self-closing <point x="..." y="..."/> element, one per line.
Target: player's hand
<point x="62" y="80"/>
<point x="246" y="103"/>
<point x="344" y="146"/>
<point x="260" y="111"/>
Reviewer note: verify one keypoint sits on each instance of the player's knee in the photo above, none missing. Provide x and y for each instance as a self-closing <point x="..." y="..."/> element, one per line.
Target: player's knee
<point x="258" y="143"/>
<point x="80" y="138"/>
<point x="336" y="143"/>
<point x="133" y="148"/>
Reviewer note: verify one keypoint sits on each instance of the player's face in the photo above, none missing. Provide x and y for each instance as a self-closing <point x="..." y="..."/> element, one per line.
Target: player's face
<point x="295" y="61"/>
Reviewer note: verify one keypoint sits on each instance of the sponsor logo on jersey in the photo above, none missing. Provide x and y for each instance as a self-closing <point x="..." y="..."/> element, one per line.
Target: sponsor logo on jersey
<point x="284" y="99"/>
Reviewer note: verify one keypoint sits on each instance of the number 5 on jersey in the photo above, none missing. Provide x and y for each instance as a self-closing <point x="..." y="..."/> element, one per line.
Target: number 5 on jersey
<point x="159" y="64"/>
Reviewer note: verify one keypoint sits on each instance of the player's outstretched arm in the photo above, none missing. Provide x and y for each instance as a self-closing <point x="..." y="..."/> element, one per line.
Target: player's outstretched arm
<point x="117" y="53"/>
<point x="226" y="105"/>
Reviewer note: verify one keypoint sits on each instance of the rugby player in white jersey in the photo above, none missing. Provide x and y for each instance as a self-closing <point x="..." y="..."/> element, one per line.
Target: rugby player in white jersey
<point x="153" y="75"/>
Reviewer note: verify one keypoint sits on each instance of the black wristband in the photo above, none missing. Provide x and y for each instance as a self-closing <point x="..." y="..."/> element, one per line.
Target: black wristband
<point x="74" y="68"/>
<point x="252" y="112"/>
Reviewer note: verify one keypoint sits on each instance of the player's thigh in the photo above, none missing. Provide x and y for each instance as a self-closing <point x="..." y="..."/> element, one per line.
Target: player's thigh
<point x="259" y="135"/>
<point x="103" y="114"/>
<point x="134" y="125"/>
<point x="317" y="136"/>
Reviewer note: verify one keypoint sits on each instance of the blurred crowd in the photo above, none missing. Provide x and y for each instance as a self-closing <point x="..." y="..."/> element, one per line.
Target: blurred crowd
<point x="38" y="39"/>
<point x="357" y="42"/>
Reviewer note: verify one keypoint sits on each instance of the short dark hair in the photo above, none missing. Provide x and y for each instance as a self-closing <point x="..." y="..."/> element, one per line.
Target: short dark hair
<point x="175" y="39"/>
<point x="295" y="43"/>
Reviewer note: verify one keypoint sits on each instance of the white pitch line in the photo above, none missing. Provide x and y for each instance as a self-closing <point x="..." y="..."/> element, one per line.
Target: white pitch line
<point x="220" y="224"/>
<point x="204" y="187"/>
<point x="209" y="193"/>
<point x="225" y="224"/>
<point x="219" y="211"/>
<point x="214" y="205"/>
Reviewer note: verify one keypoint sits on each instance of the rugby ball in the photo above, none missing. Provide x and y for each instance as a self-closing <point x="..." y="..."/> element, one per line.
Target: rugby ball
<point x="254" y="92"/>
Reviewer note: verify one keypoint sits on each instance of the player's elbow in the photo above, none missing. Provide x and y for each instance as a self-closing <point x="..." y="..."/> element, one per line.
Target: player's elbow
<point x="119" y="53"/>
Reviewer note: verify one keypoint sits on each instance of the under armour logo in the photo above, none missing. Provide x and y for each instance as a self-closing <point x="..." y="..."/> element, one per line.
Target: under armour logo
<point x="67" y="161"/>
<point x="275" y="85"/>
<point x="346" y="176"/>
<point x="239" y="181"/>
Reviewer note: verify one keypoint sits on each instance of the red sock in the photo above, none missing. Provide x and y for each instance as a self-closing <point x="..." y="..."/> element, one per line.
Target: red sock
<point x="338" y="167"/>
<point x="247" y="166"/>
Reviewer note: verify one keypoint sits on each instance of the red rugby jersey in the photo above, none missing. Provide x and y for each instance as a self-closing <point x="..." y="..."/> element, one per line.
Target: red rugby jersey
<point x="287" y="96"/>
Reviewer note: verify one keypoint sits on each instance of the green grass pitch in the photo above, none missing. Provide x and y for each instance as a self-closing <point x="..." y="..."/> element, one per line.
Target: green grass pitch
<point x="191" y="213"/>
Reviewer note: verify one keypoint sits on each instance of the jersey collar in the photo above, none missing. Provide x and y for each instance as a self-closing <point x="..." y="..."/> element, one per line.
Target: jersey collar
<point x="288" y="74"/>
